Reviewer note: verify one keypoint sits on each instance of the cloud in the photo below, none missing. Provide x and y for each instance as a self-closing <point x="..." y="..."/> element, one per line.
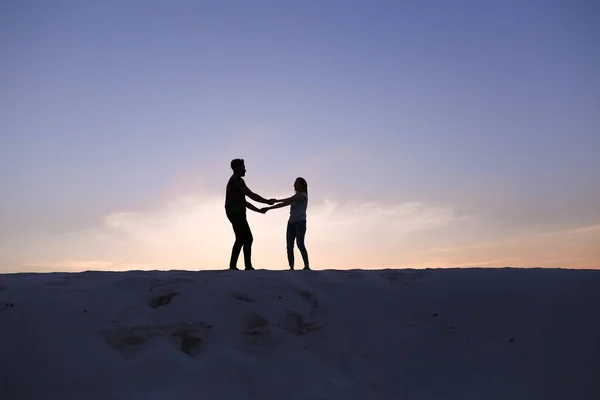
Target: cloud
<point x="193" y="232"/>
<point x="71" y="265"/>
<point x="569" y="248"/>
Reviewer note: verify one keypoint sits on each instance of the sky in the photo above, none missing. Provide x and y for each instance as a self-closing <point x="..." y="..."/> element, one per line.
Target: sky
<point x="431" y="133"/>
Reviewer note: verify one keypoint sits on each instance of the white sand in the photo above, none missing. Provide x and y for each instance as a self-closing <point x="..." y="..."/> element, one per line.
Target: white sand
<point x="392" y="334"/>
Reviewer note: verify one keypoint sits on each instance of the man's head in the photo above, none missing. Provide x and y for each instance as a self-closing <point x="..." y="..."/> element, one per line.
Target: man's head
<point x="238" y="167"/>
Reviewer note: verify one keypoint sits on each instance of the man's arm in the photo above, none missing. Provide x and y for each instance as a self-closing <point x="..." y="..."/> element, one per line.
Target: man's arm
<point x="254" y="208"/>
<point x="256" y="197"/>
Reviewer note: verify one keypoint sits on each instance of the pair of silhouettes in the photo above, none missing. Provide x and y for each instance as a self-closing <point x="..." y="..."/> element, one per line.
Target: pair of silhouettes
<point x="235" y="208"/>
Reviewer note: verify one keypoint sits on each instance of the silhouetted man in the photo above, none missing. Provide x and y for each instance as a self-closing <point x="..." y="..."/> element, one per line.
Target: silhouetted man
<point x="235" y="208"/>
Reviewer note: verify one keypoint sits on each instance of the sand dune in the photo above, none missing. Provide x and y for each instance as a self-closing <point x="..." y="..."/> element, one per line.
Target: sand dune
<point x="386" y="334"/>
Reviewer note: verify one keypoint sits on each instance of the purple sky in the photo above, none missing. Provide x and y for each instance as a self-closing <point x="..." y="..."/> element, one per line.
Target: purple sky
<point x="483" y="115"/>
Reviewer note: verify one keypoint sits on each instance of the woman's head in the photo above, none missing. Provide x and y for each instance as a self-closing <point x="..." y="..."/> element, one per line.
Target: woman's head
<point x="300" y="185"/>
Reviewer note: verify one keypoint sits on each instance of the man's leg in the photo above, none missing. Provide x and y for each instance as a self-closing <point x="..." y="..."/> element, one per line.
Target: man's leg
<point x="237" y="225"/>
<point x="300" y="234"/>
<point x="290" y="236"/>
<point x="247" y="241"/>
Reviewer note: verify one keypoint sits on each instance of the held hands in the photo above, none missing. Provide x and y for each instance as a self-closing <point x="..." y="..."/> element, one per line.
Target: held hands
<point x="270" y="202"/>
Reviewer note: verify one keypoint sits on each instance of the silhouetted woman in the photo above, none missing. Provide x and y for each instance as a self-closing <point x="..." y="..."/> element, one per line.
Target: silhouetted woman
<point x="296" y="226"/>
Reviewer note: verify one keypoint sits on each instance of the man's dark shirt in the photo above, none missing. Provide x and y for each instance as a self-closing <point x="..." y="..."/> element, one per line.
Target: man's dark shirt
<point x="235" y="198"/>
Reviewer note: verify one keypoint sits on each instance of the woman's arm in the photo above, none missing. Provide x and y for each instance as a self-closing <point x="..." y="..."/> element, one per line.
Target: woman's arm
<point x="286" y="202"/>
<point x="290" y="199"/>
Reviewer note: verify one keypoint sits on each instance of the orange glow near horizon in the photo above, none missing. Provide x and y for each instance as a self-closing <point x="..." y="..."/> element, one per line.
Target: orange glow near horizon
<point x="192" y="233"/>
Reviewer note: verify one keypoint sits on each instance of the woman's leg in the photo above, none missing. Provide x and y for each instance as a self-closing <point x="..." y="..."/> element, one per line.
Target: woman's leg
<point x="290" y="237"/>
<point x="300" y="234"/>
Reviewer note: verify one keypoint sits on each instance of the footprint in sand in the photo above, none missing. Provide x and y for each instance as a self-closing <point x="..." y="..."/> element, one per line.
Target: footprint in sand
<point x="295" y="323"/>
<point x="163" y="300"/>
<point x="130" y="341"/>
<point x="311" y="299"/>
<point x="243" y="297"/>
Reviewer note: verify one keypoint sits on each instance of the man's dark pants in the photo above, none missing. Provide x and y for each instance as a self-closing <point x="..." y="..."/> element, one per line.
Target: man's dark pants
<point x="243" y="238"/>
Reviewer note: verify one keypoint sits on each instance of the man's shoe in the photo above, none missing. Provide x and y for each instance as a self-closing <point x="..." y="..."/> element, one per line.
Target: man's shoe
<point x="234" y="268"/>
<point x="250" y="268"/>
<point x="306" y="268"/>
